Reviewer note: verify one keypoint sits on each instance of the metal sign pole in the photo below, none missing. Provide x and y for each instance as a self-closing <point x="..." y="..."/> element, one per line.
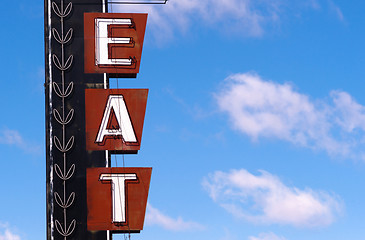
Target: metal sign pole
<point x="65" y="84"/>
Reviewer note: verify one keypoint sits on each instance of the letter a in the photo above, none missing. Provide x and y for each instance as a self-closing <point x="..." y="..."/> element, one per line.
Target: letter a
<point x="116" y="103"/>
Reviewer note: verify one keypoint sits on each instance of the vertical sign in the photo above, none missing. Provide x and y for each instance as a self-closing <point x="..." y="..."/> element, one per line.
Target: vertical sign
<point x="116" y="197"/>
<point x="81" y="44"/>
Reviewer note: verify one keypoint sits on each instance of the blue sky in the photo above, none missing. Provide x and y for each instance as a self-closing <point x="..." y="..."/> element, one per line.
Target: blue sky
<point x="255" y="122"/>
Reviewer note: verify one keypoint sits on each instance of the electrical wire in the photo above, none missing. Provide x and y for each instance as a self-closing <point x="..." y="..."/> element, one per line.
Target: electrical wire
<point x="139" y="2"/>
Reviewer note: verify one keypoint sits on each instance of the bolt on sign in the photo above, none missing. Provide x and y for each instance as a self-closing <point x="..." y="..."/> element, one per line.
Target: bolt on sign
<point x="117" y="198"/>
<point x="114" y="119"/>
<point x="113" y="43"/>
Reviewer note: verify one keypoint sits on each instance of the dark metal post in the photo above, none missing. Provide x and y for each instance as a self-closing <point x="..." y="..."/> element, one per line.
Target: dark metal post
<point x="65" y="84"/>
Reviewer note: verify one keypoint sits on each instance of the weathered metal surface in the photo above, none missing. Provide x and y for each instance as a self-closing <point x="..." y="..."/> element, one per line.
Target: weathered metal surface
<point x="100" y="199"/>
<point x="65" y="83"/>
<point x="96" y="110"/>
<point x="132" y="49"/>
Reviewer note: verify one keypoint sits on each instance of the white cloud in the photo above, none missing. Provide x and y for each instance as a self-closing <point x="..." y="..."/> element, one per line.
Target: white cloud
<point x="245" y="16"/>
<point x="265" y="199"/>
<point x="266" y="236"/>
<point x="9" y="236"/>
<point x="155" y="217"/>
<point x="13" y="137"/>
<point x="6" y="233"/>
<point x="227" y="235"/>
<point x="350" y="115"/>
<point x="261" y="108"/>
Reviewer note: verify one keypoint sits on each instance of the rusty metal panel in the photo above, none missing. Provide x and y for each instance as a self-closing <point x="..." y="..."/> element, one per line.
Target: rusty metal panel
<point x="98" y="118"/>
<point x="115" y="50"/>
<point x="100" y="199"/>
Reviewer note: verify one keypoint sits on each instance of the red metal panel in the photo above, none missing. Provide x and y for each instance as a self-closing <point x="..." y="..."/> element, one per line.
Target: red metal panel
<point x="95" y="105"/>
<point x="99" y="200"/>
<point x="133" y="50"/>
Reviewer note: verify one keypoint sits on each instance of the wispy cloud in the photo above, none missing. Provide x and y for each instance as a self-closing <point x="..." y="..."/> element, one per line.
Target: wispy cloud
<point x="14" y="138"/>
<point x="193" y="110"/>
<point x="266" y="236"/>
<point x="236" y="17"/>
<point x="314" y="4"/>
<point x="156" y="217"/>
<point x="11" y="137"/>
<point x="228" y="235"/>
<point x="245" y="16"/>
<point x="261" y="108"/>
<point x="336" y="10"/>
<point x="6" y="233"/>
<point x="266" y="199"/>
